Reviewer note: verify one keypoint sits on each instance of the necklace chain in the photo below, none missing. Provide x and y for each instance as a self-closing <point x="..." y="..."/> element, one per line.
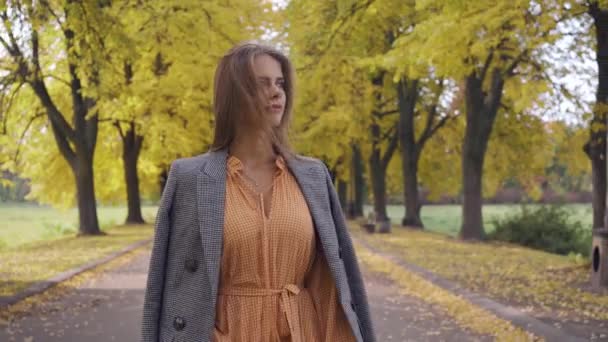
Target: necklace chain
<point x="255" y="183"/>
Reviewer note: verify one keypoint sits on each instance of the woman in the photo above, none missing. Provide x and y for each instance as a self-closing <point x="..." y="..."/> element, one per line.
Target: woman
<point x="250" y="242"/>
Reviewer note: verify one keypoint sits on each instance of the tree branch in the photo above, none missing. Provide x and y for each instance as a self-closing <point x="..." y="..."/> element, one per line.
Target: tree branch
<point x="57" y="78"/>
<point x="486" y="64"/>
<point x="22" y="136"/>
<point x="511" y="68"/>
<point x="392" y="146"/>
<point x="116" y="123"/>
<point x="441" y="123"/>
<point x="212" y="26"/>
<point x="53" y="112"/>
<point x="383" y="114"/>
<point x="46" y="4"/>
<point x="15" y="46"/>
<point x="492" y="100"/>
<point x="6" y="109"/>
<point x="35" y="53"/>
<point x="63" y="144"/>
<point x="430" y="129"/>
<point x="7" y="47"/>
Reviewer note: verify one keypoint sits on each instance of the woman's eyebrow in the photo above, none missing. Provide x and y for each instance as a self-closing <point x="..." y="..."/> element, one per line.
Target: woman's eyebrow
<point x="267" y="78"/>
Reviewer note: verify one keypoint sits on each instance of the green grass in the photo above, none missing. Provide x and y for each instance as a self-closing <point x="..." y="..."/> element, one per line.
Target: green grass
<point x="446" y="219"/>
<point x="26" y="223"/>
<point x="40" y="260"/>
<point x="38" y="242"/>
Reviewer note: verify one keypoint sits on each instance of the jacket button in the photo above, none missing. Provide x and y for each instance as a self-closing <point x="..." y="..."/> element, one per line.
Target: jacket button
<point x="340" y="252"/>
<point x="179" y="323"/>
<point x="352" y="305"/>
<point x="191" y="265"/>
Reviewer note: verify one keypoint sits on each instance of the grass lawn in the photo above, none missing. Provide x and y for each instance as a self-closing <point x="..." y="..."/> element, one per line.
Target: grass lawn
<point x="37" y="243"/>
<point x="40" y="260"/>
<point x="446" y="219"/>
<point x="25" y="223"/>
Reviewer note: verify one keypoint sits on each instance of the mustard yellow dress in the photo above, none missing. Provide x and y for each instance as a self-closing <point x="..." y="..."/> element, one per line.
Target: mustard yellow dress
<point x="275" y="284"/>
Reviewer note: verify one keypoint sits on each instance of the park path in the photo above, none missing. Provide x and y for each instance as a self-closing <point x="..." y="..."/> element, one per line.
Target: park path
<point x="108" y="308"/>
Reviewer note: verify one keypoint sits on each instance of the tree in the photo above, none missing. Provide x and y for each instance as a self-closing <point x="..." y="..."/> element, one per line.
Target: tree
<point x="596" y="146"/>
<point x="411" y="94"/>
<point x="163" y="89"/>
<point x="333" y="59"/>
<point x="152" y="99"/>
<point x="24" y="63"/>
<point x="486" y="45"/>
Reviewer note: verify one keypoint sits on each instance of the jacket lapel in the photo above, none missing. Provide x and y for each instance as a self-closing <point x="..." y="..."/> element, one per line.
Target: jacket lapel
<point x="211" y="193"/>
<point x="311" y="178"/>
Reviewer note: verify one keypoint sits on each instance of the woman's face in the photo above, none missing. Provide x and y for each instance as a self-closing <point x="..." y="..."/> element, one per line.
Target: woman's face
<point x="269" y="77"/>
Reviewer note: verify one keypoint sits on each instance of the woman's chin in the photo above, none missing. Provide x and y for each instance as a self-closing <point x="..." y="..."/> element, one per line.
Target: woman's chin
<point x="276" y="120"/>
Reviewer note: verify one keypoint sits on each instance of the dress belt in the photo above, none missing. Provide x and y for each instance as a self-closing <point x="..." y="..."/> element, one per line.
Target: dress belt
<point x="288" y="298"/>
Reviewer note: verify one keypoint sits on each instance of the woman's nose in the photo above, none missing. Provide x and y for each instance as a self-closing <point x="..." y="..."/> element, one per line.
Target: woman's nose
<point x="275" y="90"/>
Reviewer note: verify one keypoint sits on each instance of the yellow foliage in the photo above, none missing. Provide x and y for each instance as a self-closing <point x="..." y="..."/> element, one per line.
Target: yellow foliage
<point x="466" y="314"/>
<point x="171" y="47"/>
<point x="547" y="282"/>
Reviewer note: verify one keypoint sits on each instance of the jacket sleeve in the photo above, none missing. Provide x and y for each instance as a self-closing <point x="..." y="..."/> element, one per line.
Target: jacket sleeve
<point x="355" y="281"/>
<point x="156" y="272"/>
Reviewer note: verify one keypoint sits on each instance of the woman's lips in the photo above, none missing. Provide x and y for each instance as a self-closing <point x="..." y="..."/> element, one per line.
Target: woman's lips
<point x="276" y="108"/>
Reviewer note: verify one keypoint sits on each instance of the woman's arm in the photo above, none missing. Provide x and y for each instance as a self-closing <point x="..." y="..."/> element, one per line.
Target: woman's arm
<point x="349" y="258"/>
<point x="156" y="272"/>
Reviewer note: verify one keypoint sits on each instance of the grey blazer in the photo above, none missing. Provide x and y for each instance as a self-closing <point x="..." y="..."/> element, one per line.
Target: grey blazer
<point x="182" y="283"/>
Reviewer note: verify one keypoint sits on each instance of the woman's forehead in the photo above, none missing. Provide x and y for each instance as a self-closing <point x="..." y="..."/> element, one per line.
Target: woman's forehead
<point x="267" y="67"/>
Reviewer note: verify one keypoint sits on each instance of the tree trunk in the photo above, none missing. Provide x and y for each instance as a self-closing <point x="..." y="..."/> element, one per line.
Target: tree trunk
<point x="131" y="147"/>
<point x="598" y="180"/>
<point x="378" y="164"/>
<point x="342" y="193"/>
<point x="83" y="136"/>
<point x="163" y="180"/>
<point x="378" y="174"/>
<point x="85" y="189"/>
<point x="378" y="161"/>
<point x="407" y="92"/>
<point x="356" y="204"/>
<point x="472" y="169"/>
<point x="481" y="109"/>
<point x="76" y="142"/>
<point x="596" y="146"/>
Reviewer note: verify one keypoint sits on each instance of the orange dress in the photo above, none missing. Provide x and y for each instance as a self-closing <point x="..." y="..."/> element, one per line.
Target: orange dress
<point x="275" y="284"/>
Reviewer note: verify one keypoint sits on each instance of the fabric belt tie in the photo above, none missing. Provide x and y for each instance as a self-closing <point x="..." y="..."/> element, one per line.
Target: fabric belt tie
<point x="288" y="299"/>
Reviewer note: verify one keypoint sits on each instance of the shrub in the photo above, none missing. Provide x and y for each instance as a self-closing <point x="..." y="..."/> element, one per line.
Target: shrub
<point x="547" y="227"/>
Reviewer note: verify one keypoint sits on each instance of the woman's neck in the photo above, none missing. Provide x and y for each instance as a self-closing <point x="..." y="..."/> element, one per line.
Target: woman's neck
<point x="252" y="150"/>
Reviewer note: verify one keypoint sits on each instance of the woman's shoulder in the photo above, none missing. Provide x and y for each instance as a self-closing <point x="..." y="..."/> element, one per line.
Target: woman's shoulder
<point x="188" y="164"/>
<point x="310" y="161"/>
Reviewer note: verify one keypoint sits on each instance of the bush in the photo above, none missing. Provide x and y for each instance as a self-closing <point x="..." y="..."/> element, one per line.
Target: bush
<point x="547" y="227"/>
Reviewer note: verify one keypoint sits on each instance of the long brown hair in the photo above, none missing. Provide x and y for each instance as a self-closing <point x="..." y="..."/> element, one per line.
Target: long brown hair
<point x="238" y="99"/>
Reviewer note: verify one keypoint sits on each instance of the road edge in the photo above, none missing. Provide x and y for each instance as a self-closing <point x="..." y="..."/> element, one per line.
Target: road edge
<point x="41" y="286"/>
